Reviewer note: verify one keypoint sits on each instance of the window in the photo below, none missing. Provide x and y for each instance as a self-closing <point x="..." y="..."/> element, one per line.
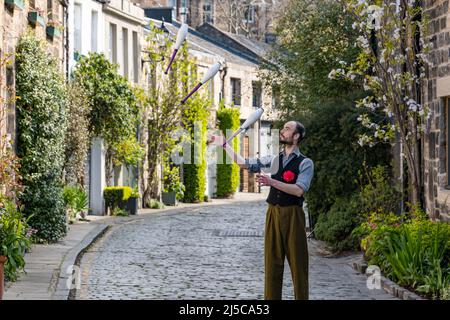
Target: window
<point x="94" y="31"/>
<point x="249" y="14"/>
<point x="125" y="51"/>
<point x="236" y="91"/>
<point x="50" y="9"/>
<point x="77" y="29"/>
<point x="208" y="12"/>
<point x="276" y="100"/>
<point x="112" y="42"/>
<point x="256" y="94"/>
<point x="135" y="57"/>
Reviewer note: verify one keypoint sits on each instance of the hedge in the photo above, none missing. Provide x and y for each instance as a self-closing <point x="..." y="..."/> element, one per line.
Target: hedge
<point x="227" y="172"/>
<point x="194" y="117"/>
<point x="116" y="196"/>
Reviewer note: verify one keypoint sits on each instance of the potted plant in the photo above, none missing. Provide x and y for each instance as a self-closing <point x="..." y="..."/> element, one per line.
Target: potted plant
<point x="14" y="242"/>
<point x="54" y="28"/>
<point x="173" y="187"/>
<point x="35" y="16"/>
<point x="133" y="202"/>
<point x="15" y="3"/>
<point x="76" y="202"/>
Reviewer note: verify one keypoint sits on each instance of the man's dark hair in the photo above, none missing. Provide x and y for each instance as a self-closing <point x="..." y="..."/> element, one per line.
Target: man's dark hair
<point x="300" y="128"/>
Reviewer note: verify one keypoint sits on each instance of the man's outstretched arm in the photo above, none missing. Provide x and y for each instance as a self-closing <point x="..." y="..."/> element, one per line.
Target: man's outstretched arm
<point x="253" y="165"/>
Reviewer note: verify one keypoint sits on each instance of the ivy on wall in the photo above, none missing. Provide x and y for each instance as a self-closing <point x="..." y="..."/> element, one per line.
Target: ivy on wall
<point x="228" y="171"/>
<point x="194" y="119"/>
<point x="41" y="119"/>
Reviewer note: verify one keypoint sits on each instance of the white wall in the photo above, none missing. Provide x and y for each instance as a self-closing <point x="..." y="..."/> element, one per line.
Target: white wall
<point x="87" y="6"/>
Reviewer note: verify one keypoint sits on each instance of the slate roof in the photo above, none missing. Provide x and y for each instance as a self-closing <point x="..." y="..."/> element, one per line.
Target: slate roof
<point x="202" y="42"/>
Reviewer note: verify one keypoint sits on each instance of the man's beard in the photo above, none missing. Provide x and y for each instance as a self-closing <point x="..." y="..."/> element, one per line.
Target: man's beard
<point x="286" y="142"/>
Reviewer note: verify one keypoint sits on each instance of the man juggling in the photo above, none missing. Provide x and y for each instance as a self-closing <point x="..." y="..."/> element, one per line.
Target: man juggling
<point x="285" y="234"/>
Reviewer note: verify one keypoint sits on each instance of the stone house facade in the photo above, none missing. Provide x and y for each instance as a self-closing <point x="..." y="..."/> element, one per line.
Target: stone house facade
<point x="16" y="17"/>
<point x="254" y="19"/>
<point x="238" y="85"/>
<point x="436" y="93"/>
<point x="114" y="28"/>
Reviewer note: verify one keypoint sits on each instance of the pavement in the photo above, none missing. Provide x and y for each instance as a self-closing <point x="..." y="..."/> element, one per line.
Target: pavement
<point x="49" y="267"/>
<point x="211" y="250"/>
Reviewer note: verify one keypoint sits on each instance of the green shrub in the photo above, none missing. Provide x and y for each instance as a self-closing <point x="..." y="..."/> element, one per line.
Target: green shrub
<point x="194" y="178"/>
<point x="414" y="254"/>
<point x="116" y="197"/>
<point x="14" y="239"/>
<point x="154" y="204"/>
<point x="337" y="157"/>
<point x="41" y="117"/>
<point x="350" y="219"/>
<point x="228" y="171"/>
<point x="119" y="212"/>
<point x="194" y="119"/>
<point x="336" y="226"/>
<point x="172" y="181"/>
<point x="76" y="201"/>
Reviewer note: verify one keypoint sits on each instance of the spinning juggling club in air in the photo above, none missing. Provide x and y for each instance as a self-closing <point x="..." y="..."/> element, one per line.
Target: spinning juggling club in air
<point x="250" y="120"/>
<point x="208" y="75"/>
<point x="181" y="36"/>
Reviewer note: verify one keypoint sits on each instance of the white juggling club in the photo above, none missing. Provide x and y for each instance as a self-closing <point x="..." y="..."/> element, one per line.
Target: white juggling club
<point x="181" y="36"/>
<point x="208" y="75"/>
<point x="250" y="120"/>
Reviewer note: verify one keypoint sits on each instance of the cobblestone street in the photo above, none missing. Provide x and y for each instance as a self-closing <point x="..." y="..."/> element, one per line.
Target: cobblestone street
<point x="208" y="252"/>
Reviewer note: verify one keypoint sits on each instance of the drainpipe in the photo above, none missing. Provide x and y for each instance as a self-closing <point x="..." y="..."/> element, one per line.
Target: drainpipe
<point x="65" y="4"/>
<point x="223" y="71"/>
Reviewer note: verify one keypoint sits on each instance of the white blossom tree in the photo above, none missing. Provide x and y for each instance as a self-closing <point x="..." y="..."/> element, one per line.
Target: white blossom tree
<point x="392" y="63"/>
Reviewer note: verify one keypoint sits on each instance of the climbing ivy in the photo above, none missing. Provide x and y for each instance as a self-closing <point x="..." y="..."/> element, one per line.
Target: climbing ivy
<point x="194" y="119"/>
<point x="228" y="171"/>
<point x="41" y="119"/>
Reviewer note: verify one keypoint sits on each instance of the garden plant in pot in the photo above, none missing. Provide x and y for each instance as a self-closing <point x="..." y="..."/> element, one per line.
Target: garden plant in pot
<point x="133" y="202"/>
<point x="173" y="187"/>
<point x="14" y="242"/>
<point x="76" y="202"/>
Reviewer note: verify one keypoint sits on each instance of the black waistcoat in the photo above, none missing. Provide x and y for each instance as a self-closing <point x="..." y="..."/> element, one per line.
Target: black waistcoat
<point x="289" y="175"/>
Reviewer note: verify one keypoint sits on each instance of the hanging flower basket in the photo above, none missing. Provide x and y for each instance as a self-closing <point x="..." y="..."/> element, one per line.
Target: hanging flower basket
<point x="35" y="17"/>
<point x="2" y="277"/>
<point x="16" y="3"/>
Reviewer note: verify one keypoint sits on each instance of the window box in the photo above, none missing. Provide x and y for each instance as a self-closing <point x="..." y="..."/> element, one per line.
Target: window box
<point x="34" y="17"/>
<point x="16" y="3"/>
<point x="53" y="31"/>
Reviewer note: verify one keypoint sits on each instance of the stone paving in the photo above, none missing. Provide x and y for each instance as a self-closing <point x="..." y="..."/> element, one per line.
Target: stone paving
<point x="205" y="252"/>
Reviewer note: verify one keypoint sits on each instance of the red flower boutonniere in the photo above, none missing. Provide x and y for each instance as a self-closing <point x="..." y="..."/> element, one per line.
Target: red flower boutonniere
<point x="288" y="176"/>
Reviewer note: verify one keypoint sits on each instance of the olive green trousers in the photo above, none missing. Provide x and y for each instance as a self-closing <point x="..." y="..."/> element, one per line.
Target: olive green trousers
<point x="285" y="237"/>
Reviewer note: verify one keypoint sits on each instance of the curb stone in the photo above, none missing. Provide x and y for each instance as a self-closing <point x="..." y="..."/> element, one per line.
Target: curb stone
<point x="62" y="292"/>
<point x="388" y="285"/>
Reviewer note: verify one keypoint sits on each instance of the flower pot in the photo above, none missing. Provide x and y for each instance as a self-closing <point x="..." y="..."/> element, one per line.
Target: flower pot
<point x="2" y="277"/>
<point x="169" y="198"/>
<point x="53" y="32"/>
<point x="16" y="3"/>
<point x="133" y="204"/>
<point x="34" y="17"/>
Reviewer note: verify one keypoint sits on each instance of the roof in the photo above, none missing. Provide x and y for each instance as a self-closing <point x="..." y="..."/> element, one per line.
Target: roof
<point x="258" y="47"/>
<point x="199" y="41"/>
